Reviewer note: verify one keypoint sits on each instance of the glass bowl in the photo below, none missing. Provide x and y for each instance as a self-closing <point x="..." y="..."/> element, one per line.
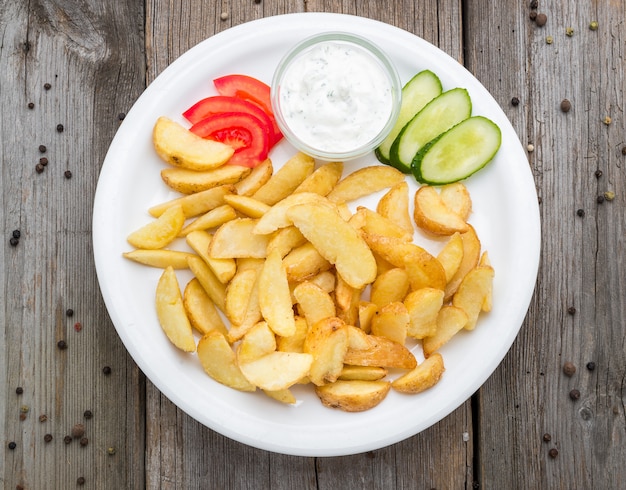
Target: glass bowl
<point x="336" y="96"/>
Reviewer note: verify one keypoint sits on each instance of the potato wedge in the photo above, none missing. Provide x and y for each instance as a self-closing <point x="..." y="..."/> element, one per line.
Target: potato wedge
<point x="471" y="255"/>
<point x="367" y="311"/>
<point x="424" y="270"/>
<point x="364" y="182"/>
<point x="160" y="232"/>
<point x="432" y="215"/>
<point x="451" y="256"/>
<point x="336" y="241"/>
<point x="178" y="146"/>
<point x="285" y="240"/>
<point x="195" y="204"/>
<point x="353" y="395"/>
<point x="277" y="370"/>
<point x="247" y="205"/>
<point x="363" y="373"/>
<point x="370" y="350"/>
<point x="201" y="311"/>
<point x="295" y="342"/>
<point x="327" y="342"/>
<point x="457" y="198"/>
<point x="304" y="262"/>
<point x="377" y="224"/>
<point x="283" y="396"/>
<point x="235" y="239"/>
<point x="322" y="180"/>
<point x="390" y="286"/>
<point x="211" y="219"/>
<point x="275" y="296"/>
<point x="255" y="179"/>
<point x="252" y="317"/>
<point x="189" y="181"/>
<point x="160" y="258"/>
<point x="238" y="292"/>
<point x="224" y="269"/>
<point x="219" y="361"/>
<point x="423" y="306"/>
<point x="211" y="284"/>
<point x="171" y="312"/>
<point x="276" y="217"/>
<point x="256" y="343"/>
<point x="315" y="303"/>
<point x="394" y="205"/>
<point x="450" y="321"/>
<point x="424" y="376"/>
<point x="391" y="322"/>
<point x="488" y="303"/>
<point x="475" y="288"/>
<point x="286" y="179"/>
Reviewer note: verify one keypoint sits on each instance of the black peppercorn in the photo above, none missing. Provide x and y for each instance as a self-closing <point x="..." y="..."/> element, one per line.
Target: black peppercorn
<point x="67" y="439"/>
<point x="43" y="161"/>
<point x="533" y="15"/>
<point x="42" y="148"/>
<point x="16" y="234"/>
<point x="13" y="241"/>
<point x="574" y="394"/>
<point x="106" y="370"/>
<point x="61" y="344"/>
<point x="47" y="437"/>
<point x="60" y="128"/>
<point x="623" y="150"/>
<point x="553" y="453"/>
<point x="47" y="86"/>
<point x="598" y="173"/>
<point x="39" y="168"/>
<point x="31" y="105"/>
<point x="19" y="390"/>
<point x="566" y="105"/>
<point x="600" y="199"/>
<point x="80" y="480"/>
<point x="87" y="414"/>
<point x="541" y="20"/>
<point x="534" y="4"/>
<point x="547" y="437"/>
<point x="12" y="445"/>
<point x="569" y="369"/>
<point x="580" y="212"/>
<point x="515" y="101"/>
<point x="121" y="116"/>
<point x="43" y="417"/>
<point x="67" y="174"/>
<point x="78" y="431"/>
<point x="571" y="310"/>
<point x="69" y="312"/>
<point x="84" y="441"/>
<point x="591" y="365"/>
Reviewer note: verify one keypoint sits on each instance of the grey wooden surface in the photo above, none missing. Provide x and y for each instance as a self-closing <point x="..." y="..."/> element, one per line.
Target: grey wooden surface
<point x="98" y="56"/>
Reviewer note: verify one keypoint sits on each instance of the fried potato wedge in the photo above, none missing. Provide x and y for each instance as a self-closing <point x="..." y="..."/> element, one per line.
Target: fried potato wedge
<point x="275" y="296"/>
<point x="450" y="321"/>
<point x="471" y="255"/>
<point x="224" y="269"/>
<point x="394" y="205"/>
<point x="424" y="376"/>
<point x="336" y="241"/>
<point x="189" y="181"/>
<point x="353" y="395"/>
<point x="451" y="256"/>
<point x="286" y="179"/>
<point x="219" y="361"/>
<point x="238" y="294"/>
<point x="363" y="373"/>
<point x="474" y="289"/>
<point x="256" y="179"/>
<point x="160" y="232"/>
<point x="209" y="281"/>
<point x="283" y="396"/>
<point x="285" y="240"/>
<point x="247" y="205"/>
<point x="327" y="342"/>
<point x="391" y="322"/>
<point x="367" y="311"/>
<point x="304" y="262"/>
<point x="424" y="270"/>
<point x="432" y="215"/>
<point x="276" y="217"/>
<point x="457" y="198"/>
<point x="370" y="350"/>
<point x="488" y="303"/>
<point x="197" y="203"/>
<point x="253" y="314"/>
<point x="377" y="224"/>
<point x="322" y="180"/>
<point x="201" y="310"/>
<point x="160" y="258"/>
<point x="347" y="299"/>
<point x="236" y="239"/>
<point x="171" y="312"/>
<point x="277" y="370"/>
<point x="364" y="182"/>
<point x="178" y="146"/>
<point x="256" y="343"/>
<point x="211" y="219"/>
<point x="295" y="342"/>
<point x="423" y="306"/>
<point x="390" y="286"/>
<point x="315" y="303"/>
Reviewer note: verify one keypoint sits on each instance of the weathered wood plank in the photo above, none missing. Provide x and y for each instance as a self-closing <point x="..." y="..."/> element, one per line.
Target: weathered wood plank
<point x="581" y="269"/>
<point x="91" y="55"/>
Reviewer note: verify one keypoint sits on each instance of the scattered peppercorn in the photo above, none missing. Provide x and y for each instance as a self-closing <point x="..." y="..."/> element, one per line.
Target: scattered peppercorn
<point x="60" y="128"/>
<point x="78" y="431"/>
<point x="574" y="394"/>
<point x="111" y="451"/>
<point x="541" y="20"/>
<point x="69" y="312"/>
<point x="19" y="487"/>
<point x="12" y="445"/>
<point x="598" y="173"/>
<point x="106" y="370"/>
<point x="78" y="326"/>
<point x="80" y="480"/>
<point x="68" y="174"/>
<point x="534" y="4"/>
<point x="43" y="417"/>
<point x="43" y="161"/>
<point x="224" y="15"/>
<point x="549" y="39"/>
<point x="13" y="241"/>
<point x="553" y="453"/>
<point x="600" y="199"/>
<point x="42" y="148"/>
<point x="609" y="195"/>
<point x="22" y="417"/>
<point x="47" y="86"/>
<point x="121" y="116"/>
<point x="591" y="365"/>
<point x="47" y="437"/>
<point x="530" y="147"/>
<point x="593" y="25"/>
<point x="566" y="105"/>
<point x="87" y="414"/>
<point x="84" y="441"/>
<point x="607" y="120"/>
<point x="31" y="105"/>
<point x="24" y="409"/>
<point x="571" y="310"/>
<point x="514" y="101"/>
<point x="67" y="439"/>
<point x="569" y="369"/>
<point x="19" y="390"/>
<point x="581" y="212"/>
<point x="569" y="31"/>
<point x="61" y="344"/>
<point x="623" y="150"/>
<point x="532" y="16"/>
<point x="547" y="437"/>
<point x="39" y="168"/>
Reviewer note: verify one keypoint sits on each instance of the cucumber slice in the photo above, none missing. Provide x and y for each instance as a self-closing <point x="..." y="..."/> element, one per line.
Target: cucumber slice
<point x="417" y="92"/>
<point x="439" y="115"/>
<point x="458" y="153"/>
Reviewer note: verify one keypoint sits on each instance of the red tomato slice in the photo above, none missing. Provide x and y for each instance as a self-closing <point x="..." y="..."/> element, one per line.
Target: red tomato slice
<point x="241" y="130"/>
<point x="250" y="89"/>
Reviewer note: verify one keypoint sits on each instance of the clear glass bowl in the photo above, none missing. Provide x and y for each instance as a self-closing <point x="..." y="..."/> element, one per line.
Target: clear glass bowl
<point x="336" y="96"/>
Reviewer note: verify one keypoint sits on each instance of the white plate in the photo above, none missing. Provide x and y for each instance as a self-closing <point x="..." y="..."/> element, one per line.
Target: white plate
<point x="505" y="216"/>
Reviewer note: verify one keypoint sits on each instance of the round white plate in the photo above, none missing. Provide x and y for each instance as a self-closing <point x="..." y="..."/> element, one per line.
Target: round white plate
<point x="505" y="215"/>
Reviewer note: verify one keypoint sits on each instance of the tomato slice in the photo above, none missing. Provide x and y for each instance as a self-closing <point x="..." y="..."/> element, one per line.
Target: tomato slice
<point x="241" y="130"/>
<point x="250" y="89"/>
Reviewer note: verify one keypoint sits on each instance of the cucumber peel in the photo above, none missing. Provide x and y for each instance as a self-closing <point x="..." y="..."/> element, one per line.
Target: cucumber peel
<point x="457" y="153"/>
<point x="416" y="93"/>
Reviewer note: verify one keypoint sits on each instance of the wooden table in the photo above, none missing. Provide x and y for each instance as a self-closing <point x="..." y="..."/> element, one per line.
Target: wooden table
<point x="82" y="64"/>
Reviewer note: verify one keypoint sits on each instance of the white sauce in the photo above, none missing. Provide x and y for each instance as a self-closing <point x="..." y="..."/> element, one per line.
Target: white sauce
<point x="335" y="97"/>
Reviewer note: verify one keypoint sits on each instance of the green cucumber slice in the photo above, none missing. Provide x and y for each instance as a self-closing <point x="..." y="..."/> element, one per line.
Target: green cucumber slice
<point x="439" y="115"/>
<point x="416" y="93"/>
<point x="458" y="153"/>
